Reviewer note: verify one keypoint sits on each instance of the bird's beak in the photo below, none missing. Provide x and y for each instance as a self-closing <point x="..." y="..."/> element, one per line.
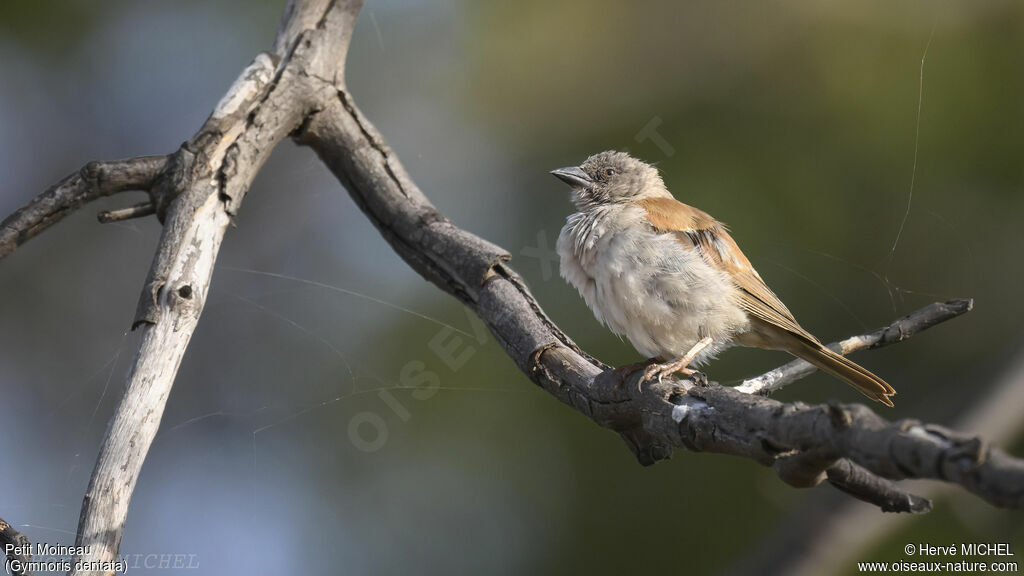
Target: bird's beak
<point x="573" y="176"/>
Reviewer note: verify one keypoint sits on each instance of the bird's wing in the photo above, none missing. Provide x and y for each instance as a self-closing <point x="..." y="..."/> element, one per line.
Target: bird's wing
<point x="711" y="239"/>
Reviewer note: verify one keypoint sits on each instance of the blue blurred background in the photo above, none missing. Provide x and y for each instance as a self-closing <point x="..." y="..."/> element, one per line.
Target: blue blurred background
<point x="289" y="441"/>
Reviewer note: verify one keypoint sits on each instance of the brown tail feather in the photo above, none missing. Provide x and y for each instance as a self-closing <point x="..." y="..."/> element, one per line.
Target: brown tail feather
<point x="845" y="369"/>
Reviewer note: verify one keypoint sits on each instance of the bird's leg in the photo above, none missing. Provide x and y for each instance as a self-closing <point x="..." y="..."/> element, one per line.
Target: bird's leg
<point x="677" y="366"/>
<point x="623" y="372"/>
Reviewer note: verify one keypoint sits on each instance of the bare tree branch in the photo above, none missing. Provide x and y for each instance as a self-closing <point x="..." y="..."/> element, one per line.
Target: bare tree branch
<point x="201" y="189"/>
<point x="299" y="90"/>
<point x="858" y="482"/>
<point x="802" y="442"/>
<point x="139" y="210"/>
<point x="17" y="548"/>
<point x="195" y="192"/>
<point x="898" y="331"/>
<point x="94" y="180"/>
<point x="804" y="542"/>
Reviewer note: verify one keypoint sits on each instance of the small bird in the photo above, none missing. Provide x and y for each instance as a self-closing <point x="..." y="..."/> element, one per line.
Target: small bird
<point x="670" y="278"/>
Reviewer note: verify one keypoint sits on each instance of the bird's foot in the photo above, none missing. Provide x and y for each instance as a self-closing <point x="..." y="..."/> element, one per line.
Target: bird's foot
<point x="659" y="371"/>
<point x="680" y="366"/>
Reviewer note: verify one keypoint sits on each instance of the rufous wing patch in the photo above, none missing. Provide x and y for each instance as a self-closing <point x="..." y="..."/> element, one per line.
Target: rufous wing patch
<point x="696" y="228"/>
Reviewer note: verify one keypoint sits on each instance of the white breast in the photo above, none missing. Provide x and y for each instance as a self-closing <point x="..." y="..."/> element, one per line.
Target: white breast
<point x="646" y="285"/>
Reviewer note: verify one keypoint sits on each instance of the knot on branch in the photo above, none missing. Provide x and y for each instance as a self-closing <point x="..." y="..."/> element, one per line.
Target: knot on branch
<point x="647" y="449"/>
<point x="92" y="173"/>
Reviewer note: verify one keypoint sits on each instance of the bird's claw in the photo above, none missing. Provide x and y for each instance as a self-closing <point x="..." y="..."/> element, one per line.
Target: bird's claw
<point x="662" y="370"/>
<point x="680" y="366"/>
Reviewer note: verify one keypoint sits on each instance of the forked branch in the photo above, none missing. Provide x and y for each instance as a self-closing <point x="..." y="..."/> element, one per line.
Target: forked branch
<point x="803" y="443"/>
<point x="299" y="91"/>
<point x="94" y="180"/>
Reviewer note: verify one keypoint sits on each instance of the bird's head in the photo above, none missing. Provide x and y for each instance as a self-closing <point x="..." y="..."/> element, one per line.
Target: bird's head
<point x="611" y="177"/>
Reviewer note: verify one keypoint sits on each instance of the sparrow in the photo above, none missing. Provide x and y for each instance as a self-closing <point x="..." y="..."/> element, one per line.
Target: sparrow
<point x="672" y="280"/>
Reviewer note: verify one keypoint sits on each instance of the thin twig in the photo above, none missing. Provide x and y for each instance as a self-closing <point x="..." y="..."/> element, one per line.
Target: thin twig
<point x="135" y="211"/>
<point x="861" y="484"/>
<point x="898" y="331"/>
<point x="94" y="180"/>
<point x="803" y="543"/>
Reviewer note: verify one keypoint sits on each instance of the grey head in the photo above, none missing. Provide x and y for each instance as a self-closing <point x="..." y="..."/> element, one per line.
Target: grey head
<point x="611" y="177"/>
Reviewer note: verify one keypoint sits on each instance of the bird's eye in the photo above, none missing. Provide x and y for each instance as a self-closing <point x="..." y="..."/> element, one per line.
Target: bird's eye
<point x="609" y="172"/>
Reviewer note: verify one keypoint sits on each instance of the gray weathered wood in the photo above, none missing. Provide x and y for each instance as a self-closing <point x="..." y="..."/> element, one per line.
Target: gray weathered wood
<point x="199" y="192"/>
<point x="298" y="90"/>
<point x="94" y="180"/>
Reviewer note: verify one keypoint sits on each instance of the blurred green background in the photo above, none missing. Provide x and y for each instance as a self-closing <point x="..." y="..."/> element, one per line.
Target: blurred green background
<point x="289" y="443"/>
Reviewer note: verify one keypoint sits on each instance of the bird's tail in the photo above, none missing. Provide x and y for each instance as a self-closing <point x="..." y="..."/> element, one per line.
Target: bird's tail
<point x="845" y="369"/>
